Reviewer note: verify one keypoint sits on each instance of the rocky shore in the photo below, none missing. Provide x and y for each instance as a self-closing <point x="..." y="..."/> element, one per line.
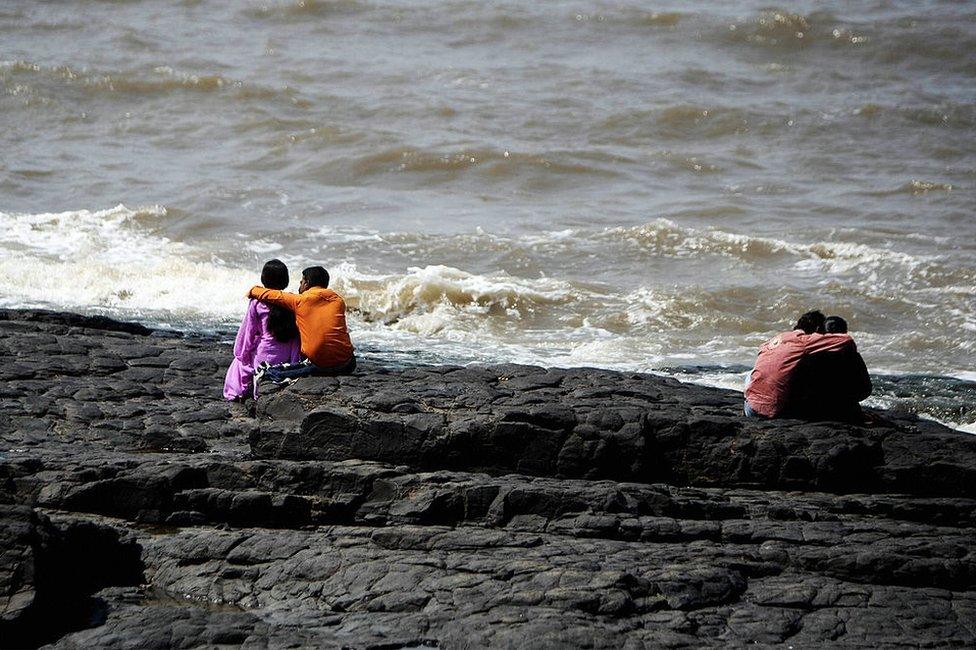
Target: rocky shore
<point x="504" y="506"/>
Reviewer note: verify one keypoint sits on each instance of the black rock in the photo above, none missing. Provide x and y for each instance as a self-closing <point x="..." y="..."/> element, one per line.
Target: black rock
<point x="504" y="506"/>
<point x="628" y="428"/>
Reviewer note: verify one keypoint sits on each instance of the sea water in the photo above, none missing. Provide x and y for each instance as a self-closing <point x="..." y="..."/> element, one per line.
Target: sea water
<point x="644" y="186"/>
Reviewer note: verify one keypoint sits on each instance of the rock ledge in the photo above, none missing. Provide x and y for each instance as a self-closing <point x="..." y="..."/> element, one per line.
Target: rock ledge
<point x="503" y="506"/>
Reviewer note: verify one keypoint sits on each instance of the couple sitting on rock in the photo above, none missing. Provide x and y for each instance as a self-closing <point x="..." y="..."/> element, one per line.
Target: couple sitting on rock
<point x="287" y="335"/>
<point x="813" y="373"/>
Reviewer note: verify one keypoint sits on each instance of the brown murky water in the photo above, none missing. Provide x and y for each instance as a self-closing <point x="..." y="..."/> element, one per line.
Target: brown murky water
<point x="575" y="183"/>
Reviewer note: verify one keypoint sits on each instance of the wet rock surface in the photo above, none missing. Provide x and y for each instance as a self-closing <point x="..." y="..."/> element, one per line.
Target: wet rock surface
<point x="598" y="424"/>
<point x="500" y="506"/>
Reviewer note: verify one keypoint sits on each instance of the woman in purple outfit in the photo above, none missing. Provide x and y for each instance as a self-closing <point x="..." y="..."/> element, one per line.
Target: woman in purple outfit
<point x="266" y="334"/>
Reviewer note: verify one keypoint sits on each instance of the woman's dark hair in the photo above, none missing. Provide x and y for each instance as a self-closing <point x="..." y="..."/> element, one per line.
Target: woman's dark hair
<point x="281" y="322"/>
<point x="810" y="322"/>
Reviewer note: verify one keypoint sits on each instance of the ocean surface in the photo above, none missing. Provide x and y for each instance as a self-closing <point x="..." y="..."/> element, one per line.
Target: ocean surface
<point x="656" y="187"/>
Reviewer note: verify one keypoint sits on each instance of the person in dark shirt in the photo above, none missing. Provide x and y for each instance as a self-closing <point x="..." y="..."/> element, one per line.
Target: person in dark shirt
<point x="835" y="325"/>
<point x="768" y="388"/>
<point x="830" y="385"/>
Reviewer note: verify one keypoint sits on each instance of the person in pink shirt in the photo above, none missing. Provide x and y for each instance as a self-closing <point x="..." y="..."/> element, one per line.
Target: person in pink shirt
<point x="267" y="333"/>
<point x="777" y="386"/>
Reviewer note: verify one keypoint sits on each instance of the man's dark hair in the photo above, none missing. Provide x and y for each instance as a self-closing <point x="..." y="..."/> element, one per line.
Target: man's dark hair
<point x="316" y="276"/>
<point x="281" y="322"/>
<point x="835" y="325"/>
<point x="810" y="322"/>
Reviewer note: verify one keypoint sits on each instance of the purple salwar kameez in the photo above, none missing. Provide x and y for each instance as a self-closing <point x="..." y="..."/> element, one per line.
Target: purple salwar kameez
<point x="254" y="345"/>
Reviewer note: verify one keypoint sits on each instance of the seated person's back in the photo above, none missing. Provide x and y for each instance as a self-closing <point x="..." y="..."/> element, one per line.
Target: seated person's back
<point x="320" y="314"/>
<point x="768" y="390"/>
<point x="829" y="385"/>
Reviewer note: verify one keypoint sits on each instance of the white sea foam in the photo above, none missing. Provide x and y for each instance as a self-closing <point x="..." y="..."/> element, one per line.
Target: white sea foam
<point x="655" y="309"/>
<point x="65" y="235"/>
<point x="263" y="246"/>
<point x="549" y="237"/>
<point x="343" y="235"/>
<point x="103" y="260"/>
<point x="968" y="428"/>
<point x="114" y="261"/>
<point x="732" y="380"/>
<point x="423" y="291"/>
<point x="664" y="236"/>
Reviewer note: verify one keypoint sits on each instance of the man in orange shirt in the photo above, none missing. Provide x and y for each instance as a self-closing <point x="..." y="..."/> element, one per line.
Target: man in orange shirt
<point x="320" y="314"/>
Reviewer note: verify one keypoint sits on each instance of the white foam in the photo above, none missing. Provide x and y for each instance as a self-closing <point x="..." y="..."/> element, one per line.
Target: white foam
<point x="844" y="257"/>
<point x="344" y="235"/>
<point x="111" y="261"/>
<point x="115" y="262"/>
<point x="653" y="309"/>
<point x="263" y="246"/>
<point x="413" y="299"/>
<point x="101" y="260"/>
<point x="69" y="234"/>
<point x="821" y="257"/>
<point x="732" y="380"/>
<point x="547" y="237"/>
<point x="967" y="428"/>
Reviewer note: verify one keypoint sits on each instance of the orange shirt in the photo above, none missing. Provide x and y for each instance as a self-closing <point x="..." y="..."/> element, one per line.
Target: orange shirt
<point x="321" y="318"/>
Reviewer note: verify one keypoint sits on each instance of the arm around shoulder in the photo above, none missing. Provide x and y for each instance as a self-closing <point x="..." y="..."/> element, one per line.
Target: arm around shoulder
<point x="275" y="297"/>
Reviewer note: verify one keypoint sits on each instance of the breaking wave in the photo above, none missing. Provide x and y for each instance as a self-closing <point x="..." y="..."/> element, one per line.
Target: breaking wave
<point x="665" y="237"/>
<point x="408" y="300"/>
<point x="103" y="260"/>
<point x="112" y="260"/>
<point x="116" y="261"/>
